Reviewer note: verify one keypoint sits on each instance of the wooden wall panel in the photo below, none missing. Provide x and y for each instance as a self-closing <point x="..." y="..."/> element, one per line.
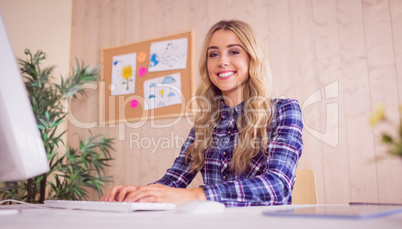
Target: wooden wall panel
<point x="305" y="70"/>
<point x="357" y="103"/>
<point x="329" y="70"/>
<point x="280" y="49"/>
<point x="383" y="90"/>
<point x="257" y="17"/>
<point x="344" y="55"/>
<point x="396" y="20"/>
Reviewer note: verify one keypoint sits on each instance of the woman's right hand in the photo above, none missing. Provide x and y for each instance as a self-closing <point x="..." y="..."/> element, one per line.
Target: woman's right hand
<point x="154" y="193"/>
<point x="119" y="193"/>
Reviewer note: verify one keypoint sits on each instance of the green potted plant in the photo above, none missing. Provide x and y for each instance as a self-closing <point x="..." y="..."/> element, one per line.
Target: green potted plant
<point x="73" y="173"/>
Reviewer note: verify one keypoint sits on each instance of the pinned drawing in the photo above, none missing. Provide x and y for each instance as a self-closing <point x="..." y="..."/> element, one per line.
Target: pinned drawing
<point x="168" y="55"/>
<point x="162" y="91"/>
<point x="123" y="74"/>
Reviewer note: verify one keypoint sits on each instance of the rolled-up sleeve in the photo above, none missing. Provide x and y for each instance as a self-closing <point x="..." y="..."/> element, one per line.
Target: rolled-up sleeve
<point x="179" y="175"/>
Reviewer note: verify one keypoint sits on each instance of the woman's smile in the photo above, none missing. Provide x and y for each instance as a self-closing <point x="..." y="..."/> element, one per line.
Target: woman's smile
<point x="223" y="75"/>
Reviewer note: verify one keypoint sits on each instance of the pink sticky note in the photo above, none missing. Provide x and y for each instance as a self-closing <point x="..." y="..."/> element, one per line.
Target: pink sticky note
<point x="134" y="103"/>
<point x="142" y="71"/>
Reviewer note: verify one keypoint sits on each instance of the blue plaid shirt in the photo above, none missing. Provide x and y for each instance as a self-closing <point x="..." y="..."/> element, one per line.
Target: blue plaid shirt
<point x="271" y="176"/>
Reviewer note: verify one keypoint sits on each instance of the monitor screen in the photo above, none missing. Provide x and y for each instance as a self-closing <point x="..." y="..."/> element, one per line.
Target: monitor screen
<point x="22" y="154"/>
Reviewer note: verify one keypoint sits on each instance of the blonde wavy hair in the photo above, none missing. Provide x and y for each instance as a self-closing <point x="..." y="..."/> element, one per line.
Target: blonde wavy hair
<point x="253" y="123"/>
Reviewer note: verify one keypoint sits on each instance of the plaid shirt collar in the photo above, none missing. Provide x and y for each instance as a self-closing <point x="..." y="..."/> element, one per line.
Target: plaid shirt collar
<point x="227" y="112"/>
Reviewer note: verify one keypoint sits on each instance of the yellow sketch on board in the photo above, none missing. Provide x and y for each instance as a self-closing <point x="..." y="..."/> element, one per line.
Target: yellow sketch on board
<point x="123" y="74"/>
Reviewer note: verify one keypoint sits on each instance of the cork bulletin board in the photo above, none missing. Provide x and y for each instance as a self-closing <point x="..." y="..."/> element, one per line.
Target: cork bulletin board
<point x="148" y="79"/>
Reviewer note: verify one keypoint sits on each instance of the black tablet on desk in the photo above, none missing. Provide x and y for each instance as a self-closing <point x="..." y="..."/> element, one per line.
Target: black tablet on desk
<point x="353" y="211"/>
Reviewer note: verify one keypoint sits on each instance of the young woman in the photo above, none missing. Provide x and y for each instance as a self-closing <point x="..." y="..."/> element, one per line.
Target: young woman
<point x="245" y="144"/>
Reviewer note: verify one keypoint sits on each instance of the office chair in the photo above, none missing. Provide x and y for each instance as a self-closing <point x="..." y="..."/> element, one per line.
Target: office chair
<point x="305" y="190"/>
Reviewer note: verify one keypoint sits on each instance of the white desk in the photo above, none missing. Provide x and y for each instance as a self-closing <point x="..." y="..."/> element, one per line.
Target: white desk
<point x="245" y="218"/>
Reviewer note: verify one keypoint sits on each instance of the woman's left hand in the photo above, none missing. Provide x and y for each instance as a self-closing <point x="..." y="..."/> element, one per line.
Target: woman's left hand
<point x="162" y="193"/>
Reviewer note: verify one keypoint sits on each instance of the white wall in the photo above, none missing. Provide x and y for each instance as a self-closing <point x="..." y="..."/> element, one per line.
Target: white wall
<point x="40" y="24"/>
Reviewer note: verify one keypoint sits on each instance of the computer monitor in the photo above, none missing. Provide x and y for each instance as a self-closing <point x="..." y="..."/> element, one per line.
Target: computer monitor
<point x="22" y="153"/>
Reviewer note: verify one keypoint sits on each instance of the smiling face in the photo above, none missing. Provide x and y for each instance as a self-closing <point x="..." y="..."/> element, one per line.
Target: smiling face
<point x="228" y="64"/>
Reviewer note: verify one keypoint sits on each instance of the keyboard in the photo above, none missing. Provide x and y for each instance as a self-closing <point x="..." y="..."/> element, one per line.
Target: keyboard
<point x="109" y="206"/>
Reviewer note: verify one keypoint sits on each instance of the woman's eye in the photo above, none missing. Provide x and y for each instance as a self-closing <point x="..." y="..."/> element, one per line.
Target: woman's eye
<point x="212" y="55"/>
<point x="235" y="52"/>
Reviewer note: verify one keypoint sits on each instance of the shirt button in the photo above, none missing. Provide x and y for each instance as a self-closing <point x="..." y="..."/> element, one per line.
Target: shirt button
<point x="229" y="132"/>
<point x="224" y="153"/>
<point x="224" y="177"/>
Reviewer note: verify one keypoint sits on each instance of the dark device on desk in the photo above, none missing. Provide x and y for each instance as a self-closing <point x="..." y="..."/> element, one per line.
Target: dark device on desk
<point x="351" y="211"/>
